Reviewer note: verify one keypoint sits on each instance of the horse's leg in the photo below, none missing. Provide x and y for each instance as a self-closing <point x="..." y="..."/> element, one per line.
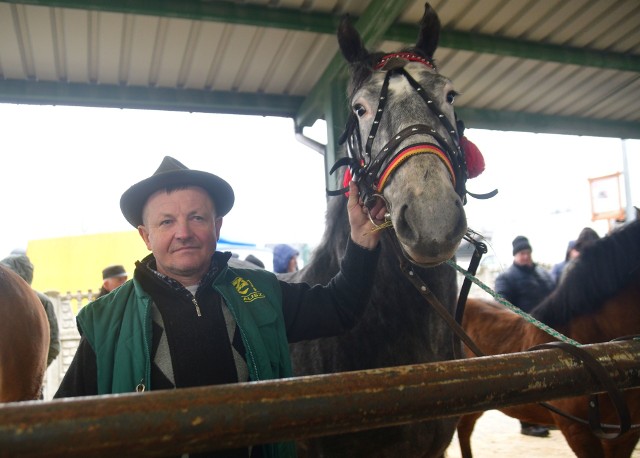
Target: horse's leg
<point x="579" y="436"/>
<point x="621" y="447"/>
<point x="465" y="429"/>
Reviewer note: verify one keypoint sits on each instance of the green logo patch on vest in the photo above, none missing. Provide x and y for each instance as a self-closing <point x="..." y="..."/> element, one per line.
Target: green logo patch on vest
<point x="246" y="289"/>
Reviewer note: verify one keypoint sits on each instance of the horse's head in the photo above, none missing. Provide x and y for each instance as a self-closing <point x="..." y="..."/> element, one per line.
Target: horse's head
<point x="403" y="141"/>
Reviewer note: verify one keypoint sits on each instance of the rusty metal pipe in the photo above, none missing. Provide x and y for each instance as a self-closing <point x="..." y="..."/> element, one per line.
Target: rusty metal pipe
<point x="162" y="423"/>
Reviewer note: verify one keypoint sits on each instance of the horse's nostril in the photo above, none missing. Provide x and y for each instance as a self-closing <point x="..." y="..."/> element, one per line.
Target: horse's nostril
<point x="402" y="225"/>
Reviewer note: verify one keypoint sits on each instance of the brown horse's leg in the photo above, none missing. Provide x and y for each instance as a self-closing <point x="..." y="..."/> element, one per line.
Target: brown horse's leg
<point x="621" y="447"/>
<point x="465" y="429"/>
<point x="580" y="438"/>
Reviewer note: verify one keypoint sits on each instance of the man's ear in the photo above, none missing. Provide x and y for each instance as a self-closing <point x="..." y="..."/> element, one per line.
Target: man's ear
<point x="218" y="223"/>
<point x="145" y="236"/>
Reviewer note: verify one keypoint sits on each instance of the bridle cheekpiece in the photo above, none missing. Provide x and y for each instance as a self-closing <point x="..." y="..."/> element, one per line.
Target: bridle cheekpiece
<point x="372" y="173"/>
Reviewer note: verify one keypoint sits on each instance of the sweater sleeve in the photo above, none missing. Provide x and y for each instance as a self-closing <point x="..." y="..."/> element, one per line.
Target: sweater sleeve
<point x="81" y="377"/>
<point x="317" y="311"/>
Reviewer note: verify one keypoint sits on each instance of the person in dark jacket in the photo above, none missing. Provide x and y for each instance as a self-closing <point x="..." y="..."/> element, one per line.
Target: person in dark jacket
<point x="21" y="264"/>
<point x="188" y="319"/>
<point x="525" y="284"/>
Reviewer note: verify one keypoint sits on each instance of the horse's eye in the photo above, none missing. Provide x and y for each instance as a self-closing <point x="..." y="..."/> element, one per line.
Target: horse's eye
<point x="451" y="97"/>
<point x="359" y="110"/>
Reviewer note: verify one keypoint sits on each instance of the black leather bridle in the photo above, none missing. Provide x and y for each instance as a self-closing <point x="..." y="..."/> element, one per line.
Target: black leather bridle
<point x="369" y="171"/>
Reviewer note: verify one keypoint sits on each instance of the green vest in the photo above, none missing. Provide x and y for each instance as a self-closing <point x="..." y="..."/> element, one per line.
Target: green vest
<point x="118" y="327"/>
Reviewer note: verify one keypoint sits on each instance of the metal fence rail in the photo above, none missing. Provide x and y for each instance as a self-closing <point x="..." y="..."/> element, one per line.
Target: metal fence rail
<point x="196" y="419"/>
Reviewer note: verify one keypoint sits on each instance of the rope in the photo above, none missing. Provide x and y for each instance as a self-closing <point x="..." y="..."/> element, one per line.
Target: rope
<point x="539" y="324"/>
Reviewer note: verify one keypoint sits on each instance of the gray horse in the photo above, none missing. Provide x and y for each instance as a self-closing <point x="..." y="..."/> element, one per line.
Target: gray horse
<point x="403" y="145"/>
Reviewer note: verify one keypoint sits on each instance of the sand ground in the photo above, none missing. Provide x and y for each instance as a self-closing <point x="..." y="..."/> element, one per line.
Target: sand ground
<point x="497" y="435"/>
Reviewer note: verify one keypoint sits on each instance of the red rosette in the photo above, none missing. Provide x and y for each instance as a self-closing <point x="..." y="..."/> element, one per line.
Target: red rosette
<point x="473" y="156"/>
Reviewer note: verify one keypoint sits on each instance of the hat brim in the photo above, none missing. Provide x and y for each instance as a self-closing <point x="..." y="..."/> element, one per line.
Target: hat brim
<point x="133" y="200"/>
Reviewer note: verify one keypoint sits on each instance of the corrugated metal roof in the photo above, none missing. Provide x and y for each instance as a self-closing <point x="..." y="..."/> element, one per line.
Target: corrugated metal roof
<point x="570" y="66"/>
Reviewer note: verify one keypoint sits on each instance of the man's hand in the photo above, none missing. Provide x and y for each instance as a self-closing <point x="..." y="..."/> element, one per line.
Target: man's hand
<point x="362" y="229"/>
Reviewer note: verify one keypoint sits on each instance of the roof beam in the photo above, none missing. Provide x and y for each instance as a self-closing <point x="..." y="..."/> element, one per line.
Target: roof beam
<point x="291" y="19"/>
<point x="49" y="93"/>
<point x="216" y="11"/>
<point x="148" y="98"/>
<point x="372" y="25"/>
<point x="503" y="46"/>
<point x="475" y="118"/>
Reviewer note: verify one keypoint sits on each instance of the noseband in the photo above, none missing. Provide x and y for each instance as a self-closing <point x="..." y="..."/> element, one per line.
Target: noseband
<point x="372" y="174"/>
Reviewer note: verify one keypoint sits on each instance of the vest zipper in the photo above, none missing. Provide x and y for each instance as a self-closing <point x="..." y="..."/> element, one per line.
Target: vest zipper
<point x="193" y="299"/>
<point x="147" y="318"/>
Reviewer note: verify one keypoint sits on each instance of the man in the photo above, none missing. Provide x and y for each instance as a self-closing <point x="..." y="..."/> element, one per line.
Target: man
<point x="525" y="284"/>
<point x="21" y="264"/>
<point x="209" y="324"/>
<point x="112" y="277"/>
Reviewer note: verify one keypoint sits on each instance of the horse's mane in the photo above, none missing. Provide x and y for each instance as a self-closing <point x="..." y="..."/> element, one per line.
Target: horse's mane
<point x="602" y="269"/>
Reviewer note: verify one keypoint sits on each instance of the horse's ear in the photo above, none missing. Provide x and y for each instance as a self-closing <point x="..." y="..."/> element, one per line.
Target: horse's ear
<point x="429" y="31"/>
<point x="351" y="44"/>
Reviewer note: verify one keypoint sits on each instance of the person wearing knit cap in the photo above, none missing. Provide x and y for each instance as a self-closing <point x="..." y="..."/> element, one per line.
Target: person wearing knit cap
<point x="188" y="318"/>
<point x="21" y="264"/>
<point x="525" y="284"/>
<point x="520" y="243"/>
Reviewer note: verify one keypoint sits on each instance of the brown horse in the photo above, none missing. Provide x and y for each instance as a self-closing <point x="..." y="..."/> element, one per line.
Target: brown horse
<point x="24" y="339"/>
<point x="597" y="301"/>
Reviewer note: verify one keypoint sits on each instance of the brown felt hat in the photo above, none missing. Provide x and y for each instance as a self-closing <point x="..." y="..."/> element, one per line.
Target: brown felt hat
<point x="173" y="173"/>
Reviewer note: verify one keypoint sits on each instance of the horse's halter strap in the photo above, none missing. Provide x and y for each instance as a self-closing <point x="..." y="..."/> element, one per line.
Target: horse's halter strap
<point x="373" y="174"/>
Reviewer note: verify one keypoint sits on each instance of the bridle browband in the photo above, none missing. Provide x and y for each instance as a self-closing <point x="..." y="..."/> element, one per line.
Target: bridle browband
<point x="371" y="173"/>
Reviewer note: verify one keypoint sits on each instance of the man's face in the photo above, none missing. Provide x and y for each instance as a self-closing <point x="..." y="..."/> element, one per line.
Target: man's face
<point x="182" y="230"/>
<point x="112" y="283"/>
<point x="523" y="258"/>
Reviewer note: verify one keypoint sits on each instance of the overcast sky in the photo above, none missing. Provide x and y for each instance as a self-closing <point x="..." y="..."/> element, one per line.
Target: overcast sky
<point x="65" y="168"/>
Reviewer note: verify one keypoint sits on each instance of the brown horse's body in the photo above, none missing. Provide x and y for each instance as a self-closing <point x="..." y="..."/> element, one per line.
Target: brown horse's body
<point x="498" y="330"/>
<point x="24" y="339"/>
